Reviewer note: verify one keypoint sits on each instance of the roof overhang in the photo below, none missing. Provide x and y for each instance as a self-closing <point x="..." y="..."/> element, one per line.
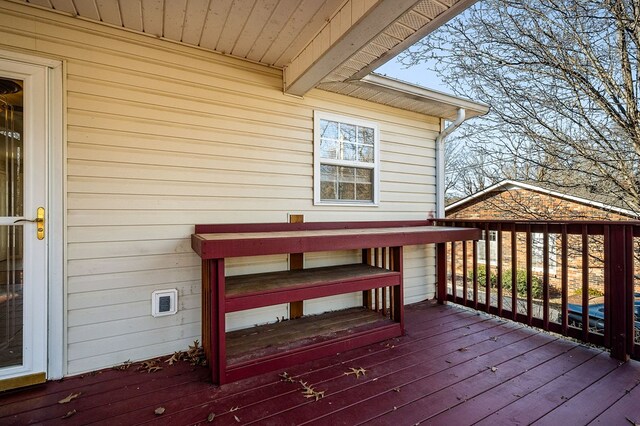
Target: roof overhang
<point x="329" y="44"/>
<point x="399" y="94"/>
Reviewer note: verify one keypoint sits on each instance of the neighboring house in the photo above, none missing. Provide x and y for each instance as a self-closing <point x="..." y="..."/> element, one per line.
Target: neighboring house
<point x="143" y="118"/>
<point x="512" y="200"/>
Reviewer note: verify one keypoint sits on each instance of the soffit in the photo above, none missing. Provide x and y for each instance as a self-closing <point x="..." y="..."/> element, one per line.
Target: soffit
<point x="278" y="33"/>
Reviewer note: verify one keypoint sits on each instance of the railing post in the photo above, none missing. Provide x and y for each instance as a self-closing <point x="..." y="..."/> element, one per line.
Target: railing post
<point x="441" y="270"/>
<point x="616" y="271"/>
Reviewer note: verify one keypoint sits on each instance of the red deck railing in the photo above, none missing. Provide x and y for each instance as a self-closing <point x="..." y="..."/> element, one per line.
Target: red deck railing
<point x="578" y="279"/>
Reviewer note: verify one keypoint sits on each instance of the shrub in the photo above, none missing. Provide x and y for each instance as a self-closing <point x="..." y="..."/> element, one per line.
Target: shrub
<point x="521" y="281"/>
<point x="593" y="292"/>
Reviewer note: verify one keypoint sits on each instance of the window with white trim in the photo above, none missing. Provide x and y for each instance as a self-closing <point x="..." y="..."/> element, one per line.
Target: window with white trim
<point x="346" y="160"/>
<point x="493" y="248"/>
<point x="537" y="252"/>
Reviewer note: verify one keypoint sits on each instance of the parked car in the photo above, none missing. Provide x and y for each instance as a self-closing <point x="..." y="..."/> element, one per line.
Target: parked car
<point x="596" y="315"/>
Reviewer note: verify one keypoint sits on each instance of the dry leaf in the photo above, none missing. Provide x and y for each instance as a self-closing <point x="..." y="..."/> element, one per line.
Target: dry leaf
<point x="124" y="366"/>
<point x="159" y="411"/>
<point x="210" y="417"/>
<point x="356" y="371"/>
<point x="309" y="392"/>
<point x="69" y="398"/>
<point x="177" y="356"/>
<point x="463" y="350"/>
<point x="237" y="419"/>
<point x="286" y="377"/>
<point x="69" y="414"/>
<point x="234" y="409"/>
<point x="396" y="389"/>
<point x="494" y="369"/>
<point x="150" y="366"/>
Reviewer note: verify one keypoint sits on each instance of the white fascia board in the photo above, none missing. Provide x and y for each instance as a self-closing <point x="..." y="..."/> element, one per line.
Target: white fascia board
<point x="424" y="94"/>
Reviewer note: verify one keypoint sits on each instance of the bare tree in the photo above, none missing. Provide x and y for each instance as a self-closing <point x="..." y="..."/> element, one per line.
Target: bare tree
<point x="562" y="79"/>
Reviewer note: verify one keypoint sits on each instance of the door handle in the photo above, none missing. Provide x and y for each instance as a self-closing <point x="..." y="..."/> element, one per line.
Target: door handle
<point x="39" y="221"/>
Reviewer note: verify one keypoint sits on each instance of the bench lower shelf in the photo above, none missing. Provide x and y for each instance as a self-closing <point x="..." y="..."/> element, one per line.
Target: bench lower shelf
<point x="277" y="346"/>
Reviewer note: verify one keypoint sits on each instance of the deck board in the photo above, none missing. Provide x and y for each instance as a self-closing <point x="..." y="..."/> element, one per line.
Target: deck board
<point x="438" y="373"/>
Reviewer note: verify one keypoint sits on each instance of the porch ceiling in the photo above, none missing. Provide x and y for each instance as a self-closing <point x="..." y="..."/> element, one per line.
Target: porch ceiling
<point x="313" y="41"/>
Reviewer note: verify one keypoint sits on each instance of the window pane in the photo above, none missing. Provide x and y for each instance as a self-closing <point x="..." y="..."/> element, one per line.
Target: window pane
<point x="347" y="174"/>
<point x="365" y="135"/>
<point x="328" y="191"/>
<point x="364" y="191"/>
<point x="328" y="129"/>
<point x="329" y="149"/>
<point x="328" y="173"/>
<point x="347" y="132"/>
<point x="349" y="151"/>
<point x="364" y="176"/>
<point x="346" y="191"/>
<point x="365" y="154"/>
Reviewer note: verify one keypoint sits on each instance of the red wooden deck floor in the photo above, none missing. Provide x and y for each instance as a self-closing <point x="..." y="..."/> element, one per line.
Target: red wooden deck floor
<point x="453" y="367"/>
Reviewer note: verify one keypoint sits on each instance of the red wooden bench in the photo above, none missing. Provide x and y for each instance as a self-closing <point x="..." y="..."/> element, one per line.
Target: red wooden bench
<point x="238" y="354"/>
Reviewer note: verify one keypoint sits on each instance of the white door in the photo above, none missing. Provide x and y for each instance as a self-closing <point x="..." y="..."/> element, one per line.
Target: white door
<point x="23" y="239"/>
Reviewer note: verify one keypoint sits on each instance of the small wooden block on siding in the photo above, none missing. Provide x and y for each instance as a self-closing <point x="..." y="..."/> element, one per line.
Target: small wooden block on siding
<point x="296" y="261"/>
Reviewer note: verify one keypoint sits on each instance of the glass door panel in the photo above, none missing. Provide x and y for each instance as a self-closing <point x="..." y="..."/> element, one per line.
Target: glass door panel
<point x="11" y="236"/>
<point x="11" y="296"/>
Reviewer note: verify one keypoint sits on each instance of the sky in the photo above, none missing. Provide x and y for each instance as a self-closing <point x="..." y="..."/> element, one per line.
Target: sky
<point x="422" y="74"/>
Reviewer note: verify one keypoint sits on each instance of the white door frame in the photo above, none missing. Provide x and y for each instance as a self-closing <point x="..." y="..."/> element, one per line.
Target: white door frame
<point x="56" y="200"/>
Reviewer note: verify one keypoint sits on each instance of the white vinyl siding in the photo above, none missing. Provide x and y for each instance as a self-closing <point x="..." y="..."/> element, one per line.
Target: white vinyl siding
<point x="160" y="137"/>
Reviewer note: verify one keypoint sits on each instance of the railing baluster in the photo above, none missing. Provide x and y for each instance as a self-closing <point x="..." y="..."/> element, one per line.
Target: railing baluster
<point x="514" y="273"/>
<point x="474" y="262"/>
<point x="464" y="273"/>
<point x="453" y="272"/>
<point x="545" y="278"/>
<point x="529" y="276"/>
<point x="487" y="268"/>
<point x="585" y="283"/>
<point x="499" y="263"/>
<point x="441" y="258"/>
<point x="385" y="265"/>
<point x="565" y="281"/>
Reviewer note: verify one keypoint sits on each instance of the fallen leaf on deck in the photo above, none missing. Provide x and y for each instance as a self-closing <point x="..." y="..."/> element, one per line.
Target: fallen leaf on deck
<point x="149" y="366"/>
<point x="69" y="398"/>
<point x="124" y="366"/>
<point x="309" y="392"/>
<point x="177" y="356"/>
<point x="69" y="414"/>
<point x="286" y="377"/>
<point x="210" y="417"/>
<point x="234" y="409"/>
<point x="159" y="411"/>
<point x="494" y="369"/>
<point x="356" y="371"/>
<point x="463" y="350"/>
<point x="396" y="389"/>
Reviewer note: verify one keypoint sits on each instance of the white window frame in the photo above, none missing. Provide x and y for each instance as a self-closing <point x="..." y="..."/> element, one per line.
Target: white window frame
<point x="318" y="161"/>
<point x="537" y="252"/>
<point x="493" y="248"/>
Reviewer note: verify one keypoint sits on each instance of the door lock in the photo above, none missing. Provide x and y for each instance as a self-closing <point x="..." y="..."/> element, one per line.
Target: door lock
<point x="39" y="221"/>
